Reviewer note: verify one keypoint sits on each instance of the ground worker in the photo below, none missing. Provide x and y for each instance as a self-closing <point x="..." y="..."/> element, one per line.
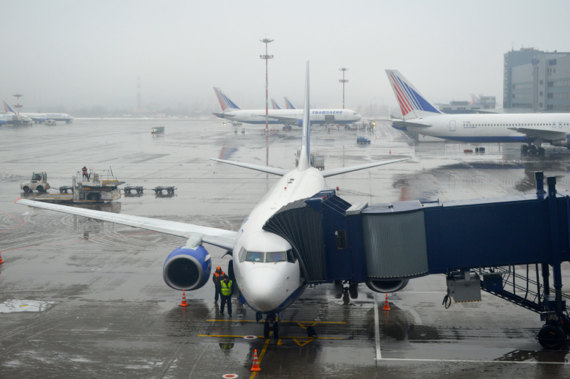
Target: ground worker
<point x="217" y="278"/>
<point x="85" y="174"/>
<point x="226" y="290"/>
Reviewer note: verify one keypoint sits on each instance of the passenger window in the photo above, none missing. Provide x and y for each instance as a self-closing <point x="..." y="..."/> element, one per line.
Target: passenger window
<point x="278" y="256"/>
<point x="252" y="256"/>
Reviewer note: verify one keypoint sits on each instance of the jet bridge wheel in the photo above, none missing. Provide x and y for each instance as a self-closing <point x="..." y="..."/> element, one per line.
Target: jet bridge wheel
<point x="552" y="337"/>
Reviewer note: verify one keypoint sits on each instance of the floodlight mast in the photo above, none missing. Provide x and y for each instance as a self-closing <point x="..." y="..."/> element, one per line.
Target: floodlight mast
<point x="267" y="57"/>
<point x="343" y="81"/>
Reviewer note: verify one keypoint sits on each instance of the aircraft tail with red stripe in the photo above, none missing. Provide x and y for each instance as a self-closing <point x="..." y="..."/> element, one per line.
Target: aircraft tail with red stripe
<point x="413" y="104"/>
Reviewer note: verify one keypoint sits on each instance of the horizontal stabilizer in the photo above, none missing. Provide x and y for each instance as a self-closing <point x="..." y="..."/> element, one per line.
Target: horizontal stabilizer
<point x="344" y="170"/>
<point x="267" y="169"/>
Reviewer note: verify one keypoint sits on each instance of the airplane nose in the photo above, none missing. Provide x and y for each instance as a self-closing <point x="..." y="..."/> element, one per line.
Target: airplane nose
<point x="266" y="288"/>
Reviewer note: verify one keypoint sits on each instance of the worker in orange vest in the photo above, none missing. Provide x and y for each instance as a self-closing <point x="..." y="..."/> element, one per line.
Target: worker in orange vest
<point x="217" y="279"/>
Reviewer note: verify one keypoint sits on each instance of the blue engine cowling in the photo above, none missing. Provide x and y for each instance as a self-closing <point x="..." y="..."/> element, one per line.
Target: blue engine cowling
<point x="187" y="269"/>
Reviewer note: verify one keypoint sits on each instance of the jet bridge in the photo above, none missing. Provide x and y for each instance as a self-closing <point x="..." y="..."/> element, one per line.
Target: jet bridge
<point x="478" y="245"/>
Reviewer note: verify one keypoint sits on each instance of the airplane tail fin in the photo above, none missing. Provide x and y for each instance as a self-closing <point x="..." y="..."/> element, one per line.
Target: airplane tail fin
<point x="412" y="103"/>
<point x="274" y="104"/>
<point x="304" y="156"/>
<point x="8" y="108"/>
<point x="475" y="99"/>
<point x="225" y="102"/>
<point x="289" y="104"/>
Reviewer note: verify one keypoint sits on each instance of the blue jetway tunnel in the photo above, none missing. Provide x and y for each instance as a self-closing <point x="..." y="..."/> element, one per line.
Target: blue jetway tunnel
<point x="476" y="244"/>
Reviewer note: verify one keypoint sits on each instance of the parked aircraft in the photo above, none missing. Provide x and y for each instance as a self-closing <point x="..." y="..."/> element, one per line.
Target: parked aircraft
<point x="287" y="117"/>
<point x="532" y="129"/>
<point x="274" y="104"/>
<point x="289" y="104"/>
<point x="27" y="117"/>
<point x="265" y="265"/>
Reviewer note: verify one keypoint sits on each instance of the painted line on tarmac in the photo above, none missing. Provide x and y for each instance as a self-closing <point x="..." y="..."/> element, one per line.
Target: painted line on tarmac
<point x="260" y="358"/>
<point x="377" y="328"/>
<point x="472" y="361"/>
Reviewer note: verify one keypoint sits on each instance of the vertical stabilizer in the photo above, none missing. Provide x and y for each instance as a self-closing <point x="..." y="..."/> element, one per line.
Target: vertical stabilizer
<point x="304" y="160"/>
<point x="8" y="108"/>
<point x="274" y="104"/>
<point x="412" y="103"/>
<point x="225" y="102"/>
<point x="289" y="104"/>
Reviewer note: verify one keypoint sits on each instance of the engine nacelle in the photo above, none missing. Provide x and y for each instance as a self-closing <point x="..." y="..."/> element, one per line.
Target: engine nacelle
<point x="387" y="285"/>
<point x="565" y="142"/>
<point x="187" y="269"/>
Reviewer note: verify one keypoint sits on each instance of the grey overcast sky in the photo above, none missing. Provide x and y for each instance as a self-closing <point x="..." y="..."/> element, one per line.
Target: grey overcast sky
<point x="73" y="53"/>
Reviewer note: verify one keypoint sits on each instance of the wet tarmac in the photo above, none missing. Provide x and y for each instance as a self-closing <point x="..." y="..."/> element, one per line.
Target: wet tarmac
<point x="82" y="298"/>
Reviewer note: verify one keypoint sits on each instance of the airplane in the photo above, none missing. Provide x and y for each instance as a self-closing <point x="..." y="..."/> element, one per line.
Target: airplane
<point x="532" y="129"/>
<point x="265" y="265"/>
<point x="287" y="117"/>
<point x="289" y="104"/>
<point x="11" y="116"/>
<point x="28" y="117"/>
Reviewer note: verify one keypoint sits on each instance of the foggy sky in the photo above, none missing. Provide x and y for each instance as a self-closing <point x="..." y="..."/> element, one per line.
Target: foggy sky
<point x="75" y="54"/>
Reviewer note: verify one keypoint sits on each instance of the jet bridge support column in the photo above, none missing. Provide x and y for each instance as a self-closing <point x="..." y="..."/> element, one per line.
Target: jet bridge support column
<point x="554" y="333"/>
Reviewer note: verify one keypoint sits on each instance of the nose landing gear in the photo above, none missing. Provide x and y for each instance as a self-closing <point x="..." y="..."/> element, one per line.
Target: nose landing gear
<point x="271" y="324"/>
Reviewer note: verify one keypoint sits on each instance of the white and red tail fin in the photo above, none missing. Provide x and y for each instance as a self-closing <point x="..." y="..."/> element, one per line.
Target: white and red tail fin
<point x="274" y="104"/>
<point x="289" y="104"/>
<point x="225" y="101"/>
<point x="412" y="103"/>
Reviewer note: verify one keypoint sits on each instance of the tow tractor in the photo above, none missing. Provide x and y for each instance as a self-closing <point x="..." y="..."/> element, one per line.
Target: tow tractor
<point x="37" y="183"/>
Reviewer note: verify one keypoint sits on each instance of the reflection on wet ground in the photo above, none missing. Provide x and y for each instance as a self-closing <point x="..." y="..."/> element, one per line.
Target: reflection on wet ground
<point x="110" y="314"/>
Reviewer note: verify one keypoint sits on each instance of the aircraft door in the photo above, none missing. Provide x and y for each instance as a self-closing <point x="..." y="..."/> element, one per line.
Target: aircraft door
<point x="452" y="125"/>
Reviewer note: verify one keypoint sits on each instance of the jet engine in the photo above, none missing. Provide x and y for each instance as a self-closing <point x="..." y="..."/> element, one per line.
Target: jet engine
<point x="565" y="142"/>
<point x="186" y="268"/>
<point x="387" y="285"/>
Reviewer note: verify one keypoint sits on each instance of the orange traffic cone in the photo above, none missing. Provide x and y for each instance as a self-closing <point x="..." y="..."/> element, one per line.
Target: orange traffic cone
<point x="386" y="306"/>
<point x="183" y="303"/>
<point x="255" y="366"/>
<point x="1" y="261"/>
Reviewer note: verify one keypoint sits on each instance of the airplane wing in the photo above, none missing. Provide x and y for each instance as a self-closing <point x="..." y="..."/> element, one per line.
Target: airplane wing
<point x="213" y="236"/>
<point x="267" y="169"/>
<point x="545" y="134"/>
<point x="344" y="170"/>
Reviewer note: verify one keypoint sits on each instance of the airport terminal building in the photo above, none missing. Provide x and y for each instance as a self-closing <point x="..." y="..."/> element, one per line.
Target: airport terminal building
<point x="536" y="81"/>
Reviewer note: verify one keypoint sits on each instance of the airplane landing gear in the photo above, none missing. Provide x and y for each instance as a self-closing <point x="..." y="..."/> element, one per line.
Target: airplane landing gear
<point x="346" y="289"/>
<point x="271" y="323"/>
<point x="532" y="150"/>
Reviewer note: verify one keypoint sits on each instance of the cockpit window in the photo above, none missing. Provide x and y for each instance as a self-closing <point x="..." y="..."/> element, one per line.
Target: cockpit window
<point x="253" y="256"/>
<point x="278" y="256"/>
<point x="290" y="256"/>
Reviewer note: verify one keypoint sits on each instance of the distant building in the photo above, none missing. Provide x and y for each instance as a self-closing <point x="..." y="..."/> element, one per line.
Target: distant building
<point x="478" y="104"/>
<point x="536" y="81"/>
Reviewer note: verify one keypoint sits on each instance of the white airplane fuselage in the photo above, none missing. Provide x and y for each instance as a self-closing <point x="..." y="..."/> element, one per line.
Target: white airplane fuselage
<point x="271" y="286"/>
<point x="318" y="116"/>
<point x="488" y="127"/>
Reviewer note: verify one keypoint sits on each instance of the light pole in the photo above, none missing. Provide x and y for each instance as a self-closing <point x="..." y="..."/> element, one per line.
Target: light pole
<point x="343" y="81"/>
<point x="267" y="57"/>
